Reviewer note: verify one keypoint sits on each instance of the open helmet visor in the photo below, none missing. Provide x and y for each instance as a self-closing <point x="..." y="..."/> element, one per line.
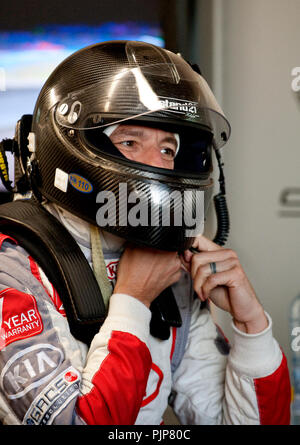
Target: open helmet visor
<point x="167" y="90"/>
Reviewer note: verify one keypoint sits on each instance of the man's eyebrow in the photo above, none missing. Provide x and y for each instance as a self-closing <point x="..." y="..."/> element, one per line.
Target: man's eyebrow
<point x="128" y="132"/>
<point x="140" y="133"/>
<point x="170" y="139"/>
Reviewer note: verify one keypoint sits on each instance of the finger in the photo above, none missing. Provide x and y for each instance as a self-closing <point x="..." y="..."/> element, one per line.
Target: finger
<point x="205" y="271"/>
<point x="187" y="256"/>
<point x="185" y="267"/>
<point x="204" y="244"/>
<point x="225" y="278"/>
<point x="185" y="261"/>
<point x="204" y="258"/>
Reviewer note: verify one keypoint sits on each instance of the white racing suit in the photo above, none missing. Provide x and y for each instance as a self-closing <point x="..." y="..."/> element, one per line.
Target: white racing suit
<point x="126" y="376"/>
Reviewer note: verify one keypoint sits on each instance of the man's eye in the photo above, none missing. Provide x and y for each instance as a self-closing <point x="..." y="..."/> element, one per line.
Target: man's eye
<point x="127" y="143"/>
<point x="168" y="153"/>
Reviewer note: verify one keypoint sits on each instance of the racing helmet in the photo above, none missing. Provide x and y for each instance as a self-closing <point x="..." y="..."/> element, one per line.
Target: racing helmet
<point x="75" y="164"/>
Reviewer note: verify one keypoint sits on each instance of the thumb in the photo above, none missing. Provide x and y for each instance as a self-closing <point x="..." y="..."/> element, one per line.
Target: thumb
<point x="185" y="259"/>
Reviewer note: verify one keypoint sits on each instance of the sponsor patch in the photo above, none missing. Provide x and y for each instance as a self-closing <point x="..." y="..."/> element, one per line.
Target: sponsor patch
<point x="180" y="106"/>
<point x="111" y="269"/>
<point x="30" y="368"/>
<point x="80" y="183"/>
<point x="19" y="316"/>
<point x="54" y="398"/>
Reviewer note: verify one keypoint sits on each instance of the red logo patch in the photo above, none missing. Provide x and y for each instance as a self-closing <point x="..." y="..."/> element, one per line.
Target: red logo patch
<point x="112" y="269"/>
<point x="71" y="376"/>
<point x="19" y="316"/>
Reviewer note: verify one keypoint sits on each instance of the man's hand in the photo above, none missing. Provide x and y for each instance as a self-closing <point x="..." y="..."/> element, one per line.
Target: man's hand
<point x="144" y="273"/>
<point x="228" y="288"/>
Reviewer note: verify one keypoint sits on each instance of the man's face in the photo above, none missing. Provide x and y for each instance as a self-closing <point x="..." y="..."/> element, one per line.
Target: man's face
<point x="146" y="145"/>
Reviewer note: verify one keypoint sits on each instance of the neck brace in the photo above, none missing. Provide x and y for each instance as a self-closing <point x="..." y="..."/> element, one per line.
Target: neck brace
<point x="81" y="232"/>
<point x="111" y="245"/>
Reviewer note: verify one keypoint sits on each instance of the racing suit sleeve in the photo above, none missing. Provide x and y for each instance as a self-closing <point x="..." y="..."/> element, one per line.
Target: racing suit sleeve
<point x="46" y="375"/>
<point x="51" y="381"/>
<point x="245" y="384"/>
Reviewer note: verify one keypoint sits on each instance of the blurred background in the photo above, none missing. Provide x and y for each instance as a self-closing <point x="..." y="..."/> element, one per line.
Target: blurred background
<point x="249" y="52"/>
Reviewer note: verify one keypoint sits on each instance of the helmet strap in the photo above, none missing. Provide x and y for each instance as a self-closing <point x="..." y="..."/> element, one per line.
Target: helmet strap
<point x="99" y="266"/>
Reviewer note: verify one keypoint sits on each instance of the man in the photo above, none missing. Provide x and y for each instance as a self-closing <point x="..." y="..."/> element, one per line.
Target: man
<point x="131" y="114"/>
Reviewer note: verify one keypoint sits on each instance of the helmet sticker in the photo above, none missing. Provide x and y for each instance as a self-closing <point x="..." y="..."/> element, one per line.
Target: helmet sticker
<point x="188" y="108"/>
<point x="80" y="183"/>
<point x="61" y="180"/>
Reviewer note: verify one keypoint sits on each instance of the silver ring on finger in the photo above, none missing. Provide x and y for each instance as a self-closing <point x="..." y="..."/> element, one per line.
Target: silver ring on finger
<point x="213" y="267"/>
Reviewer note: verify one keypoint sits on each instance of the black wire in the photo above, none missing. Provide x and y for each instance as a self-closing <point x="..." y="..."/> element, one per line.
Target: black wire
<point x="222" y="213"/>
<point x="223" y="222"/>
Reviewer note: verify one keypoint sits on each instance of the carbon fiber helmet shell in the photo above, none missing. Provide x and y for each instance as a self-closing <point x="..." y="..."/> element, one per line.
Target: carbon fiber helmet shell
<point x="104" y="84"/>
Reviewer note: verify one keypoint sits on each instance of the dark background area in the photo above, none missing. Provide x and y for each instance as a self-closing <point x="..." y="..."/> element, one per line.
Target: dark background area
<point x="29" y="13"/>
<point x="176" y="17"/>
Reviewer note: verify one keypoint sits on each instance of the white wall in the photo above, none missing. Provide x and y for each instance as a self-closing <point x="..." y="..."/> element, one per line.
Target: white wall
<point x="258" y="43"/>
